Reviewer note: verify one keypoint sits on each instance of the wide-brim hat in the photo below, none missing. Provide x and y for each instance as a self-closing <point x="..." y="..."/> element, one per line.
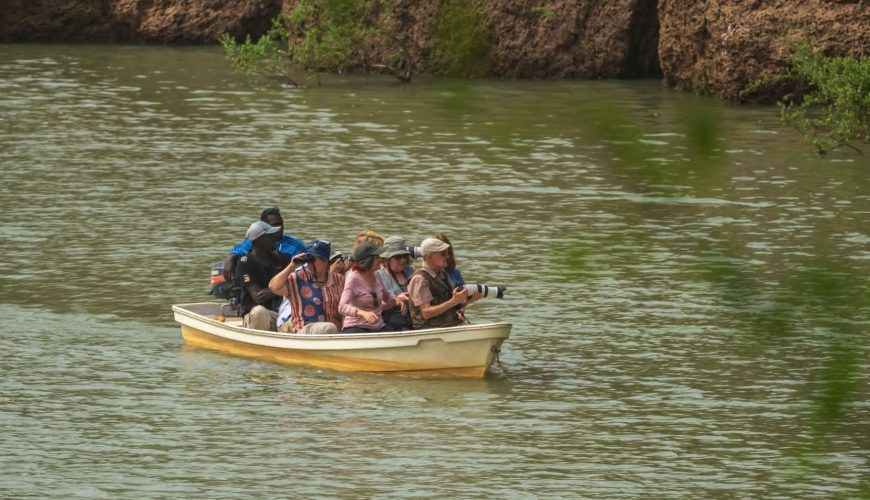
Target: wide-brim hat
<point x="394" y="245"/>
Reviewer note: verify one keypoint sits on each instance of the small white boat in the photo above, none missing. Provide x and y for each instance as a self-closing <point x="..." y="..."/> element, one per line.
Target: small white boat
<point x="461" y="351"/>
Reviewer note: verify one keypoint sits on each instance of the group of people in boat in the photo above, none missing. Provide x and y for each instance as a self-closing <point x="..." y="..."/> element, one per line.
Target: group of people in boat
<point x="289" y="286"/>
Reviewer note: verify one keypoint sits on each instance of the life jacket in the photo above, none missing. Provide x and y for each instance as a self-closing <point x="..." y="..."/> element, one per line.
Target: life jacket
<point x="441" y="292"/>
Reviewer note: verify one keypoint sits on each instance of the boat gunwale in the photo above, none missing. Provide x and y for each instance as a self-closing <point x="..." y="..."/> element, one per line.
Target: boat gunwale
<point x="181" y="309"/>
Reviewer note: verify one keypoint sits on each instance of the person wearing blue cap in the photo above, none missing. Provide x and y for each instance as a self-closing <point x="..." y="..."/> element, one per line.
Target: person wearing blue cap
<point x="312" y="289"/>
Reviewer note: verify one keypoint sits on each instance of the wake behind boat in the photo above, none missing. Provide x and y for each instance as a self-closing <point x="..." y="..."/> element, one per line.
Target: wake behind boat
<point x="460" y="351"/>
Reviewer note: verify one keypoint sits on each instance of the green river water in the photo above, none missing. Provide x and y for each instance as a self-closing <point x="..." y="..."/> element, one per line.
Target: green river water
<point x="681" y="315"/>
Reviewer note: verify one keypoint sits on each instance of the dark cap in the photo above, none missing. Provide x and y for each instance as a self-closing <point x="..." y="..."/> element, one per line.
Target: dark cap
<point x="365" y="253"/>
<point x="319" y="248"/>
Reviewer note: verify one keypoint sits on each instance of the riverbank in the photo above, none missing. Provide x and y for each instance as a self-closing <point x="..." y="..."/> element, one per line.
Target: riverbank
<point x="719" y="47"/>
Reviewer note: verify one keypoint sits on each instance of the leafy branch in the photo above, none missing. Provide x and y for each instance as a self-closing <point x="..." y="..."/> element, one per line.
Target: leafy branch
<point x="265" y="59"/>
<point x="836" y="109"/>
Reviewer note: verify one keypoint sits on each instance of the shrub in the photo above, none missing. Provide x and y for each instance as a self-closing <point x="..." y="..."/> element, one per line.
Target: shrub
<point x="836" y="109"/>
<point x="265" y="59"/>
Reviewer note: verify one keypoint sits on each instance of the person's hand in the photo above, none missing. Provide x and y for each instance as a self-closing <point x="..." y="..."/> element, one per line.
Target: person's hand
<point x="298" y="259"/>
<point x="339" y="266"/>
<point x="460" y="296"/>
<point x="402" y="300"/>
<point x="229" y="266"/>
<point x="474" y="297"/>
<point x="262" y="295"/>
<point x="367" y="315"/>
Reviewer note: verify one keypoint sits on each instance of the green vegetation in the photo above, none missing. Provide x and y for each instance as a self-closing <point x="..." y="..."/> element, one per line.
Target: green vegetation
<point x="335" y="33"/>
<point x="836" y="109"/>
<point x="264" y="59"/>
<point x="339" y="35"/>
<point x="462" y="43"/>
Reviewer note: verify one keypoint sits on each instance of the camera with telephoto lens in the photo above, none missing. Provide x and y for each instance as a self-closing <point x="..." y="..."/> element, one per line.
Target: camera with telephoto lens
<point x="416" y="252"/>
<point x="485" y="290"/>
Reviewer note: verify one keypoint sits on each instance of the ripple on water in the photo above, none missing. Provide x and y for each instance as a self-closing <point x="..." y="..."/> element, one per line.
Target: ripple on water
<point x="628" y="373"/>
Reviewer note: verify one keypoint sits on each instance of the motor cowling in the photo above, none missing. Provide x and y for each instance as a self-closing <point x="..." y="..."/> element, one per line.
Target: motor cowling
<point x="220" y="287"/>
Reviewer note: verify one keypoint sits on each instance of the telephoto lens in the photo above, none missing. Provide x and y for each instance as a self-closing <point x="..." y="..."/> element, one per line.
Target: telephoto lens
<point x="416" y="252"/>
<point x="485" y="290"/>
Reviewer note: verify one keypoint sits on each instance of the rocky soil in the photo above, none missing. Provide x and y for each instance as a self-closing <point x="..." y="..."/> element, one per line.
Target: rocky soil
<point x="716" y="47"/>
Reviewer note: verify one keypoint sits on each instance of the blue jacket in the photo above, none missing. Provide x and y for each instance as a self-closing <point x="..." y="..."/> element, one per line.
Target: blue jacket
<point x="455" y="278"/>
<point x="286" y="245"/>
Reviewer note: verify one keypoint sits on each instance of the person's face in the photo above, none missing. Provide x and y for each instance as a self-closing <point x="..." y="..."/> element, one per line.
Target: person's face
<point x="398" y="263"/>
<point x="276" y="220"/>
<point x="266" y="241"/>
<point x="438" y="260"/>
<point x="320" y="266"/>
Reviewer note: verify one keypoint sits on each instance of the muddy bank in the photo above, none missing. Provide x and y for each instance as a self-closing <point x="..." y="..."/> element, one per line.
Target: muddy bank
<point x="720" y="47"/>
<point x="716" y="47"/>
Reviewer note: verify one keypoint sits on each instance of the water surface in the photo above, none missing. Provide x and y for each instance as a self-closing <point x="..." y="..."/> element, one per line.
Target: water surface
<point x="640" y="275"/>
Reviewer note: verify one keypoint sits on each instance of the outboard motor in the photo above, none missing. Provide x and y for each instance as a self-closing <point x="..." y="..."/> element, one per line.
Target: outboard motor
<point x="223" y="289"/>
<point x="220" y="287"/>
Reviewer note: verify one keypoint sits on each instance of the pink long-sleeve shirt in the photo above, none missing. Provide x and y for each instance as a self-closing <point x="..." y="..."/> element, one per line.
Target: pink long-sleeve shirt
<point x="358" y="295"/>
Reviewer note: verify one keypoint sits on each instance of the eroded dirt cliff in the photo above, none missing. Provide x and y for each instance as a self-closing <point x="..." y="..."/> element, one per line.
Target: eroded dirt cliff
<point x="136" y="21"/>
<point x="717" y="47"/>
<point x="523" y="38"/>
<point x="722" y="47"/>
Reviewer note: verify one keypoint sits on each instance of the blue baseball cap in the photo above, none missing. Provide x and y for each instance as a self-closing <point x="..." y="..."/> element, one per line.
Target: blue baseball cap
<point x="320" y="249"/>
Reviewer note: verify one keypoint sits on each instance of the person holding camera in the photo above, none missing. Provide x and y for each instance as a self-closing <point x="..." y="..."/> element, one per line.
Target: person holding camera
<point x="259" y="306"/>
<point x="312" y="290"/>
<point x="454" y="277"/>
<point x="338" y="263"/>
<point x="434" y="303"/>
<point x="365" y="297"/>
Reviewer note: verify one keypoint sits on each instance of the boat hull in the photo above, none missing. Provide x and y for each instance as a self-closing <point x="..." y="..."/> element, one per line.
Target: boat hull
<point x="466" y="351"/>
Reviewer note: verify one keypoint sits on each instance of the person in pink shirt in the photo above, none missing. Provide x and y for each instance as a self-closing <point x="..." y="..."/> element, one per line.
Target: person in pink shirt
<point x="365" y="297"/>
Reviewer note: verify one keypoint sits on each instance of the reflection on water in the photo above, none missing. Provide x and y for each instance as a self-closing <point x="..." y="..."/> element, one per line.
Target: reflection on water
<point x="129" y="170"/>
